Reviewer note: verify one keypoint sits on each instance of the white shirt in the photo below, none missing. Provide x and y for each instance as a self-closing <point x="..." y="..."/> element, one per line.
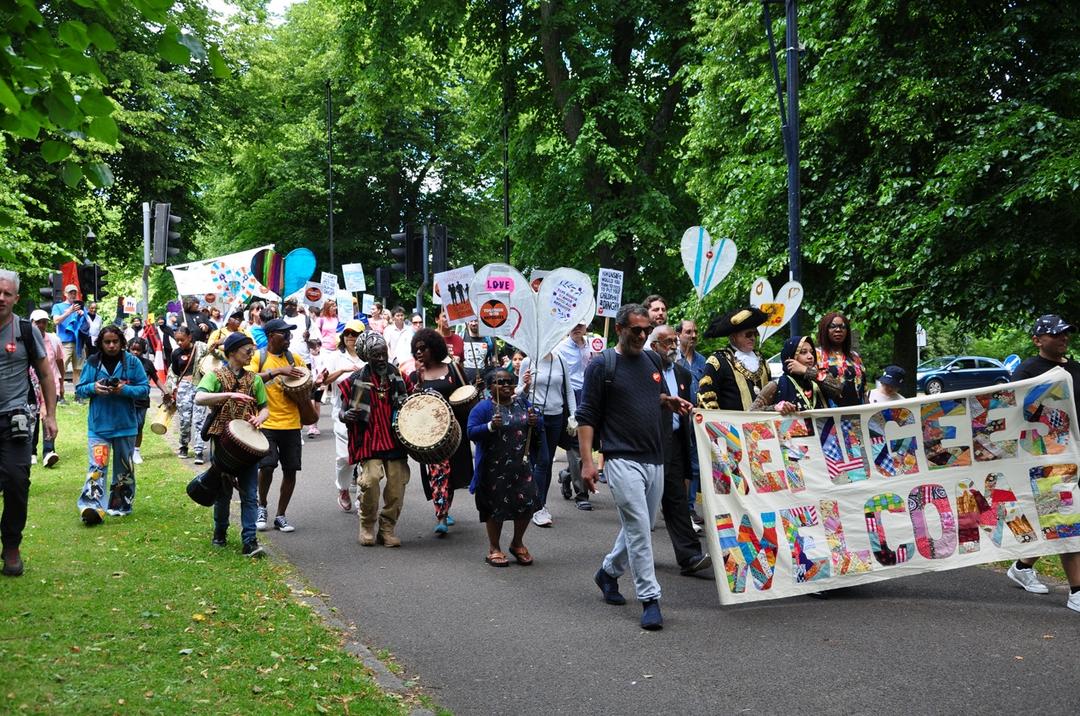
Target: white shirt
<point x="673" y="390"/>
<point x="575" y="358"/>
<point x="93" y="325"/>
<point x="334" y="361"/>
<point x="877" y="395"/>
<point x="545" y="390"/>
<point x="297" y="344"/>
<point x="399" y="342"/>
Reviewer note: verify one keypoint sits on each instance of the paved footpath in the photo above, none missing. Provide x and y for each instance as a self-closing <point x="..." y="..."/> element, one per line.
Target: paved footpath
<point x="539" y="639"/>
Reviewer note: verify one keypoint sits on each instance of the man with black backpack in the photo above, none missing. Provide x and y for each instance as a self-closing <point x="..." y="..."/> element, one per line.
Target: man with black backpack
<point x="282" y="428"/>
<point x="22" y="349"/>
<point x="622" y="402"/>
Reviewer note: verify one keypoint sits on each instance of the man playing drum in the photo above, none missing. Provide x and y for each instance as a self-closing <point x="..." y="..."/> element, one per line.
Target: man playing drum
<point x="282" y="429"/>
<point x="369" y="397"/>
<point x="235" y="393"/>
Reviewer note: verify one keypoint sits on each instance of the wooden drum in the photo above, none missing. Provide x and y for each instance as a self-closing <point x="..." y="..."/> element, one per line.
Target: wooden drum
<point x="426" y="427"/>
<point x="464" y="398"/>
<point x="164" y="415"/>
<point x="298" y="389"/>
<point x="239" y="446"/>
<point x="210" y="363"/>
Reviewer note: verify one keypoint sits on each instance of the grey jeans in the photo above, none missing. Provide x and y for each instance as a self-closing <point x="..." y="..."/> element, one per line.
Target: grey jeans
<point x="636" y="489"/>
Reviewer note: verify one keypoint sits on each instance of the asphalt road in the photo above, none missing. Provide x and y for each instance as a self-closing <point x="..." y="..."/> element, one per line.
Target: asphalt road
<point x="539" y="639"/>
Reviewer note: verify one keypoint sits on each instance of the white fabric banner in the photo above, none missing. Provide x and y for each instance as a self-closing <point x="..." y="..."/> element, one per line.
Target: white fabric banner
<point x="832" y="498"/>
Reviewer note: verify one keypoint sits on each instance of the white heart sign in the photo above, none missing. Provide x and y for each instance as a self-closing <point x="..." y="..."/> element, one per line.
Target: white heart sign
<point x="706" y="262"/>
<point x="780" y="308"/>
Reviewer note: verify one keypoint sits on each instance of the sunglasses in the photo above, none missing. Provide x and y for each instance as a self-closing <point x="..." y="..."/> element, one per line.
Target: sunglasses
<point x="640" y="330"/>
<point x="503" y="381"/>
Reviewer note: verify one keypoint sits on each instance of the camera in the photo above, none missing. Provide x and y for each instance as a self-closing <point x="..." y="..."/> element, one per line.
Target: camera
<point x="111" y="382"/>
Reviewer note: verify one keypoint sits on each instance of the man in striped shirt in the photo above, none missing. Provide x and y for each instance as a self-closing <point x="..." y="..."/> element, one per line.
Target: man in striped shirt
<point x="369" y="398"/>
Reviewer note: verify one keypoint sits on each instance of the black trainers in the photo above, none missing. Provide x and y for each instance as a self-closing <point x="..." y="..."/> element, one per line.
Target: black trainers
<point x="564" y="484"/>
<point x="199" y="458"/>
<point x="609" y="586"/>
<point x="699" y="563"/>
<point x="219" y="538"/>
<point x="254" y="550"/>
<point x="651" y="619"/>
<point x="182" y="453"/>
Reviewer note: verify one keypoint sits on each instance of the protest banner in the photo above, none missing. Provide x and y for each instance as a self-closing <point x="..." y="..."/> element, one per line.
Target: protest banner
<point x="367" y="304"/>
<point x="313" y="295"/>
<point x="833" y="498"/>
<point x="452" y="289"/>
<point x="608" y="292"/>
<point x="355" y="281"/>
<point x="131" y="305"/>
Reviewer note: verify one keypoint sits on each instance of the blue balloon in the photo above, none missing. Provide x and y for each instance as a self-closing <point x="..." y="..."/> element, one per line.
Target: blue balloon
<point x="299" y="268"/>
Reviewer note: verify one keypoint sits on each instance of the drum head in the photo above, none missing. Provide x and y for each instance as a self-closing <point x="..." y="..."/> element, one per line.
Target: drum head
<point x="210" y="363"/>
<point x="463" y="394"/>
<point x="249" y="436"/>
<point x="423" y="420"/>
<point x="291" y="382"/>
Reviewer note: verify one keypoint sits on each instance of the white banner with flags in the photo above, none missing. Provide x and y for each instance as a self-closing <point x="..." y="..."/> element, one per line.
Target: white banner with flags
<point x="833" y="498"/>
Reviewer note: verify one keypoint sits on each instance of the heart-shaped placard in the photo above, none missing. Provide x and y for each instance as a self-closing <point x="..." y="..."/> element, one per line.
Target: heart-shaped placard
<point x="534" y="322"/>
<point x="299" y="268"/>
<point x="780" y="308"/>
<point x="706" y="262"/>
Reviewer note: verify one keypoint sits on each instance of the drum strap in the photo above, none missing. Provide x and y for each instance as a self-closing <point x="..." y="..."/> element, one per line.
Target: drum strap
<point x="233" y="409"/>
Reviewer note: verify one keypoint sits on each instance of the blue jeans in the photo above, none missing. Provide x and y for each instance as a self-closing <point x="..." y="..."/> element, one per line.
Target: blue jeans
<point x="122" y="488"/>
<point x="549" y="441"/>
<point x="248" y="484"/>
<point x="636" y="489"/>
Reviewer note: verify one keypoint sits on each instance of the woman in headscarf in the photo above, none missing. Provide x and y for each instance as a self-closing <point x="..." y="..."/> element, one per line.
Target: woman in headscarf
<point x="798" y="389"/>
<point x="339" y="365"/>
<point x="838" y="364"/>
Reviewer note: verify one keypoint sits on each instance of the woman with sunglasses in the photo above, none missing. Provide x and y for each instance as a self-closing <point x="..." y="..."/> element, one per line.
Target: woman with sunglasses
<point x="434" y="373"/>
<point x="839" y="365"/>
<point x="339" y="365"/>
<point x="502" y="479"/>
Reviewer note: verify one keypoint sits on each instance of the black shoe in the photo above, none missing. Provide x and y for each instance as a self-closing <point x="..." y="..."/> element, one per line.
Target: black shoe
<point x="182" y="453"/>
<point x="696" y="518"/>
<point x="698" y="564"/>
<point x="609" y="586"/>
<point x="254" y="550"/>
<point x="650" y="615"/>
<point x="564" y="484"/>
<point x="219" y="538"/>
<point x="13" y="564"/>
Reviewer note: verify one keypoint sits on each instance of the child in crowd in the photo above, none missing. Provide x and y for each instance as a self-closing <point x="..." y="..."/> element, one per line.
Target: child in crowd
<point x="318" y="374"/>
<point x="888" y="385"/>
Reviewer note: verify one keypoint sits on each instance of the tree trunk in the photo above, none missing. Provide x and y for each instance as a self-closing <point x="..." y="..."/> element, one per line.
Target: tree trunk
<point x="904" y="352"/>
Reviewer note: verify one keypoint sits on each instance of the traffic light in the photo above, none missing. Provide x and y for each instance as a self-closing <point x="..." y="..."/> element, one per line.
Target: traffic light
<point x="440" y="242"/>
<point x="92" y="281"/>
<point x="382" y="282"/>
<point x="99" y="283"/>
<point x="52" y="292"/>
<point x="410" y="255"/>
<point x="164" y="237"/>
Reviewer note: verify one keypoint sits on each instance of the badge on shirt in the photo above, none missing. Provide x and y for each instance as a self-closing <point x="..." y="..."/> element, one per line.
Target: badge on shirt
<point x="656" y="377"/>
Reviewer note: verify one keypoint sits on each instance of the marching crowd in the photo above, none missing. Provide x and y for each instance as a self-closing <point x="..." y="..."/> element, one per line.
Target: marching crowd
<point x="473" y="413"/>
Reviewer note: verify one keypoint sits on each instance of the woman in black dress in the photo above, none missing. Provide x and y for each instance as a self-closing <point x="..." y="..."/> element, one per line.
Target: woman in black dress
<point x="433" y="373"/>
<point x="504" y="430"/>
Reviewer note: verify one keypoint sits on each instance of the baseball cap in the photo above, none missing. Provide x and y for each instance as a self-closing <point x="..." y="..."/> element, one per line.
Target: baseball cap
<point x="893" y="375"/>
<point x="355" y="326"/>
<point x="1052" y="324"/>
<point x="39" y="315"/>
<point x="277" y="325"/>
<point x="71" y="287"/>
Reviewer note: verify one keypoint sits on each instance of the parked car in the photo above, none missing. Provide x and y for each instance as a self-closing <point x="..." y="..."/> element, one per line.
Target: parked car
<point x="940" y="375"/>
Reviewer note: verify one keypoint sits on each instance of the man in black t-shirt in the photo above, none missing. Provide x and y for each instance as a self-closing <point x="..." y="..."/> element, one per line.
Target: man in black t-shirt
<point x="622" y="398"/>
<point x="479" y="352"/>
<point x="1050" y="334"/>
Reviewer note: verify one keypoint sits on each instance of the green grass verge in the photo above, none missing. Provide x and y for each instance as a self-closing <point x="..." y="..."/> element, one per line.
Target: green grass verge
<point x="142" y="614"/>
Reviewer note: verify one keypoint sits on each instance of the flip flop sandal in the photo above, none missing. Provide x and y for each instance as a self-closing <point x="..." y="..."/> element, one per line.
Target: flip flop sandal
<point x="497" y="559"/>
<point x="522" y="556"/>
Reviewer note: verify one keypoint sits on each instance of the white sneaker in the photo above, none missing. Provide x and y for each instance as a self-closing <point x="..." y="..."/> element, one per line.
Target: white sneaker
<point x="51" y="459"/>
<point x="260" y="519"/>
<point x="1029" y="580"/>
<point x="33" y="459"/>
<point x="1074" y="602"/>
<point x="542" y="518"/>
<point x="136" y="457"/>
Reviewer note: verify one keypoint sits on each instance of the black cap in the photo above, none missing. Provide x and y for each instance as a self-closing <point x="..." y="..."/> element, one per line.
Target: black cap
<point x="234" y="341"/>
<point x="277" y="325"/>
<point x="894" y="375"/>
<point x="1051" y="324"/>
<point x="738" y="320"/>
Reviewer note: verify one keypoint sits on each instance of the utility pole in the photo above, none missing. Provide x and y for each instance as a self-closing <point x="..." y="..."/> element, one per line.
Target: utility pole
<point x="330" y="169"/>
<point x="506" y="131"/>
<point x="146" y="262"/>
<point x="789" y="126"/>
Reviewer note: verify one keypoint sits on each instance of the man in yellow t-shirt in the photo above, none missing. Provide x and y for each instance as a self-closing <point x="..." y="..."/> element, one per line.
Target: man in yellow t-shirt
<point x="217" y="337"/>
<point x="282" y="428"/>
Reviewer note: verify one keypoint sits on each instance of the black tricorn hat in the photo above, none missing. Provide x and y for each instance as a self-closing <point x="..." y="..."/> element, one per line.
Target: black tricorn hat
<point x="737" y="320"/>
